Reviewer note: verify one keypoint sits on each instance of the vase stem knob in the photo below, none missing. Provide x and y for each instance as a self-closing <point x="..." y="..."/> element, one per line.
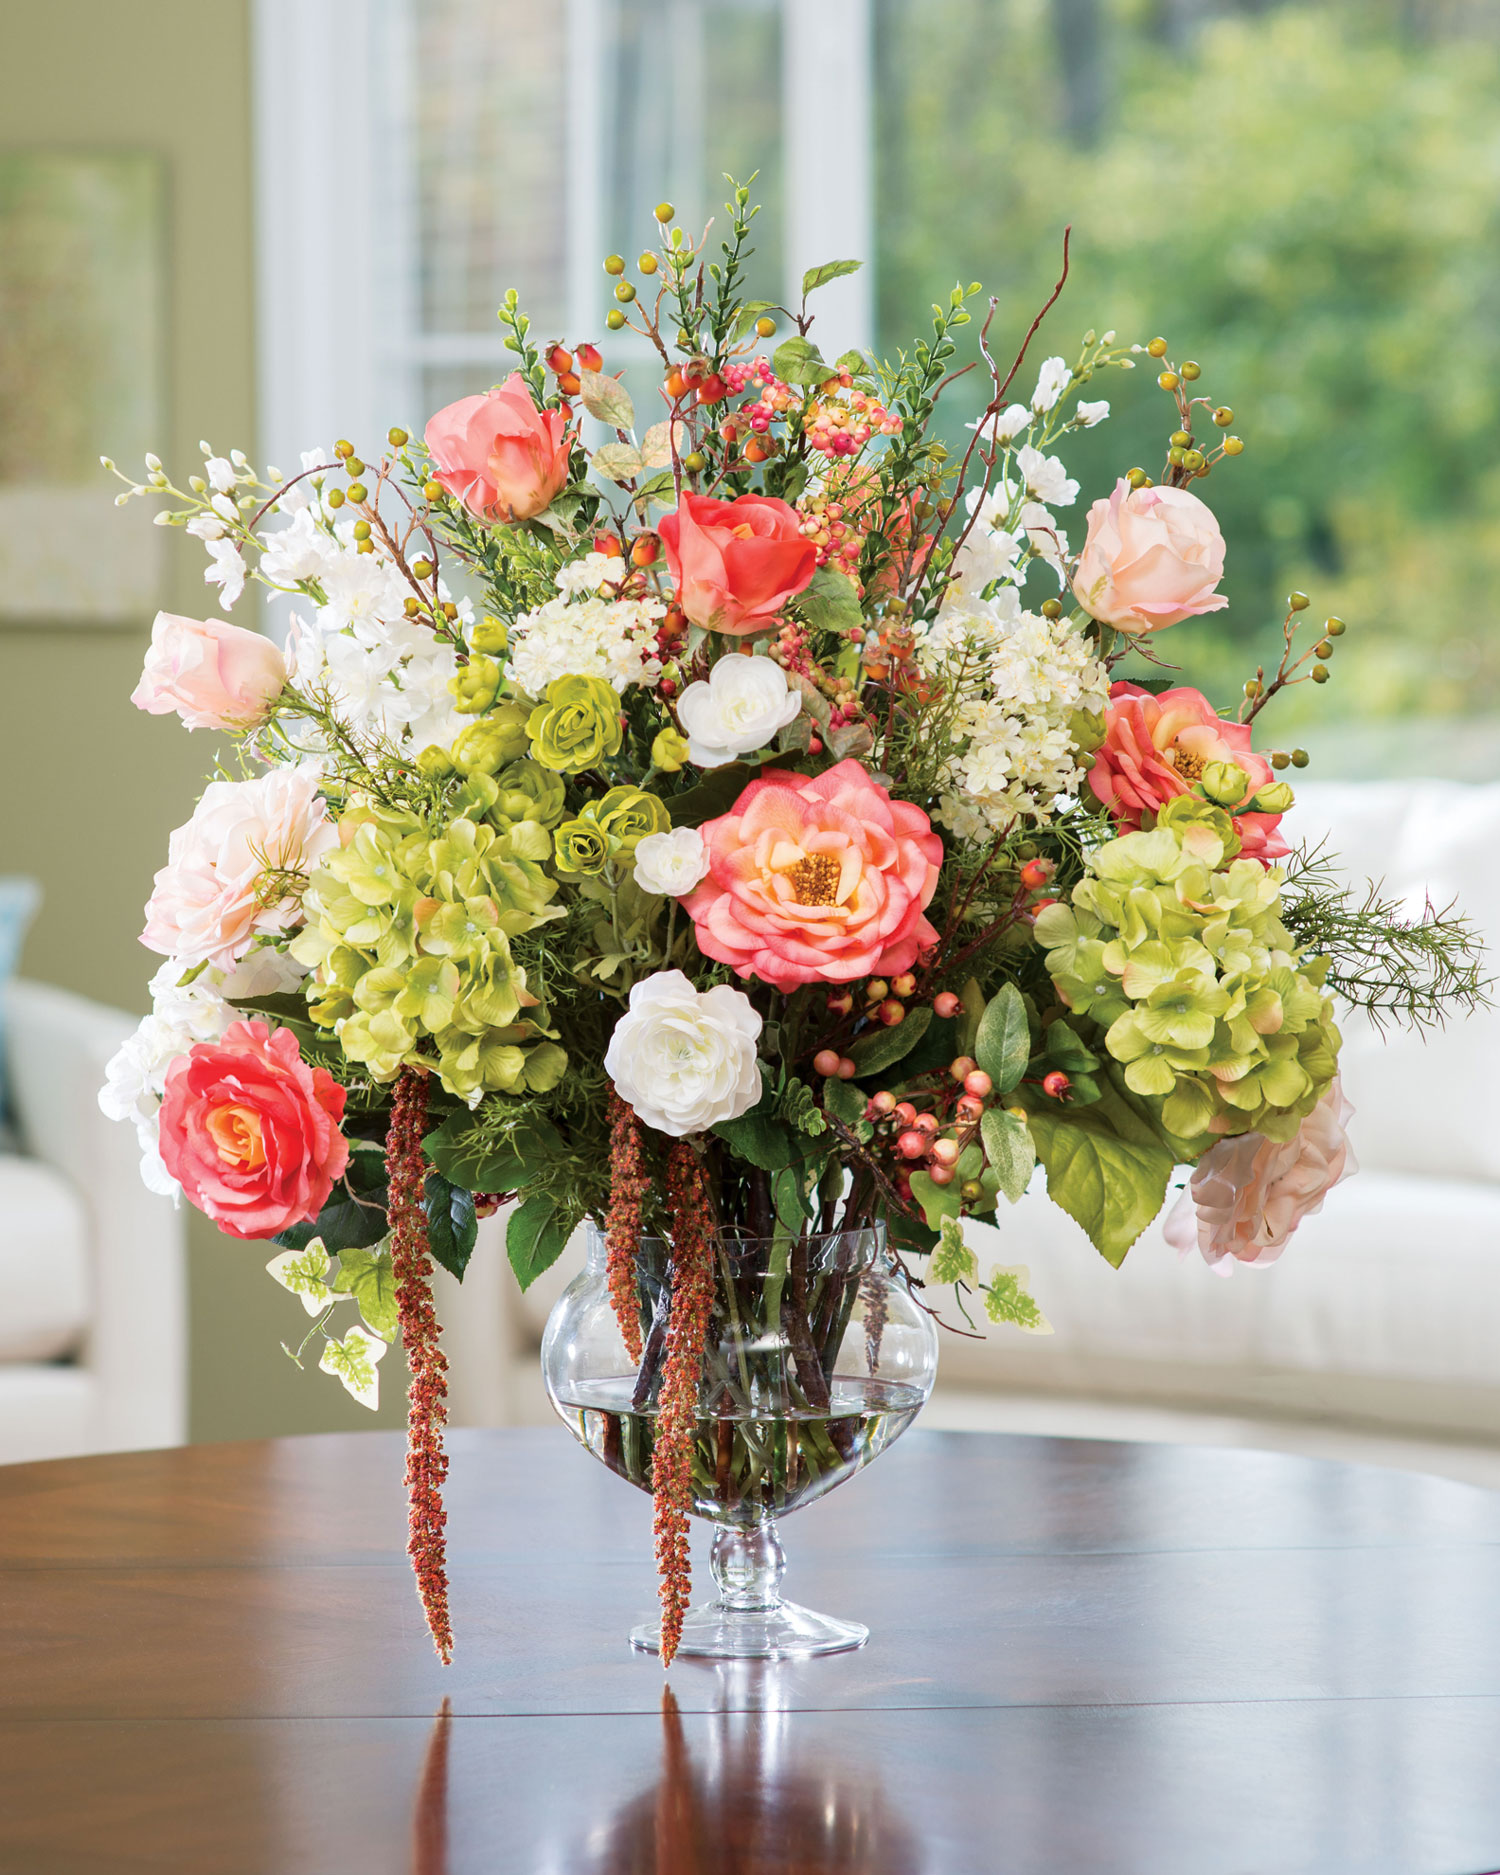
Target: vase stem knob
<point x="748" y="1565"/>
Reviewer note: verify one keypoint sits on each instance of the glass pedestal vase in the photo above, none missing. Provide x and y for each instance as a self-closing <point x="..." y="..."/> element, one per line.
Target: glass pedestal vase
<point x="816" y="1358"/>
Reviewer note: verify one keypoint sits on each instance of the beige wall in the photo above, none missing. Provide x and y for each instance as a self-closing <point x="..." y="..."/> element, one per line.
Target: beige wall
<point x="90" y="787"/>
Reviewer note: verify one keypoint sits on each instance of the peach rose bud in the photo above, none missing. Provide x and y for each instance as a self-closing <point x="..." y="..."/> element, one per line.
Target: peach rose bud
<point x="1153" y="558"/>
<point x="214" y="675"/>
<point x="498" y="454"/>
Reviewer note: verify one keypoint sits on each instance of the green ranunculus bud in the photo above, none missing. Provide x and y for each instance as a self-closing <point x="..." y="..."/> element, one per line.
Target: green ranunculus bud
<point x="581" y="846"/>
<point x="436" y="763"/>
<point x="1087" y="729"/>
<point x="489" y="635"/>
<point x="576" y="726"/>
<point x="530" y="792"/>
<point x="627" y="815"/>
<point x="476" y="686"/>
<point x="1275" y="798"/>
<point x="488" y="745"/>
<point x="1224" y="783"/>
<point x="669" y="751"/>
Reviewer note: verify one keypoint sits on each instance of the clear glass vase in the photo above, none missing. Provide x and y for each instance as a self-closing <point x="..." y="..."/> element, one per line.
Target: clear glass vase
<point x="817" y="1357"/>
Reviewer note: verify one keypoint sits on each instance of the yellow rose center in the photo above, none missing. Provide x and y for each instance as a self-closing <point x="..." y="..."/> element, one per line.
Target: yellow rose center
<point x="743" y="531"/>
<point x="236" y="1134"/>
<point x="815" y="880"/>
<point x="1188" y="765"/>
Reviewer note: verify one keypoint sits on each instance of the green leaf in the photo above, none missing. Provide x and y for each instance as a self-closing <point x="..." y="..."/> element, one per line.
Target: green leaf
<point x="789" y="1194"/>
<point x="618" y="462"/>
<point x="972" y="998"/>
<point x="798" y="361"/>
<point x="718" y="791"/>
<point x="953" y="1261"/>
<point x="879" y="1050"/>
<point x="1111" y="1184"/>
<point x="843" y="1100"/>
<point x="1010" y="1149"/>
<point x="937" y="1201"/>
<point x="1002" y="1043"/>
<point x="797" y="1104"/>
<point x="343" y="1225"/>
<point x="607" y="399"/>
<point x="367" y="1275"/>
<point x="907" y="1233"/>
<point x="1064" y="1050"/>
<point x="830" y="603"/>
<point x="466" y="1158"/>
<point x="760" y="1140"/>
<point x="1007" y="1298"/>
<point x="855" y="363"/>
<point x="935" y="1050"/>
<point x="534" y="1238"/>
<point x="820" y="276"/>
<point x="288" y="1009"/>
<point x="451" y="1223"/>
<point x="749" y="312"/>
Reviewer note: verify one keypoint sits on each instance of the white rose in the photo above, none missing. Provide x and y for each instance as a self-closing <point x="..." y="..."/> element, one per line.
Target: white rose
<point x="741" y="707"/>
<point x="671" y="864"/>
<point x="685" y="1059"/>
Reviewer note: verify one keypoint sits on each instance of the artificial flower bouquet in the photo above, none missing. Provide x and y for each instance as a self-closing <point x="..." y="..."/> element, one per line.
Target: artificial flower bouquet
<point x="727" y="819"/>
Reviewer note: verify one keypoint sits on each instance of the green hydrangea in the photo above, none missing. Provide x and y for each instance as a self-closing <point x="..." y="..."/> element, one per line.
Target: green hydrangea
<point x="577" y="725"/>
<point x="1175" y="947"/>
<point x="409" y="941"/>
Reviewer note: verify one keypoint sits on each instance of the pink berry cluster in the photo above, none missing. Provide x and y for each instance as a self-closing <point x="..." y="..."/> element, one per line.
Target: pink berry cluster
<point x="834" y="529"/>
<point x="773" y="401"/>
<point x="842" y="425"/>
<point x="791" y="651"/>
<point x="932" y="1141"/>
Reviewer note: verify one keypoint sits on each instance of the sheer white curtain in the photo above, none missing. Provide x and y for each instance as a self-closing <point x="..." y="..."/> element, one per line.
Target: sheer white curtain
<point x="417" y="157"/>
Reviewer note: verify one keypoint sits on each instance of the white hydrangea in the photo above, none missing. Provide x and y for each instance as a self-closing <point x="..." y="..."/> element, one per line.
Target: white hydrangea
<point x="589" y="574"/>
<point x="182" y="1015"/>
<point x="1023" y="678"/>
<point x="586" y="636"/>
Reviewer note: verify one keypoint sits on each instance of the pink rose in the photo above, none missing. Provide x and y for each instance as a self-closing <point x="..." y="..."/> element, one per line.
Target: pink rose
<point x="213" y="897"/>
<point x="1156" y="747"/>
<point x="736" y="563"/>
<point x="251" y="1132"/>
<point x="215" y="676"/>
<point x="817" y="881"/>
<point x="1152" y="558"/>
<point x="502" y="457"/>
<point x="1248" y="1194"/>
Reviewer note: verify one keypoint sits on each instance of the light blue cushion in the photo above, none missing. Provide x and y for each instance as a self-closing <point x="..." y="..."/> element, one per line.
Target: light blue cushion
<point x="19" y="899"/>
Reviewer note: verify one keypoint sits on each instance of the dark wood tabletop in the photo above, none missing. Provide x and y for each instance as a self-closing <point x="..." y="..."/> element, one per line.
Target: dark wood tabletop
<point x="1085" y="1657"/>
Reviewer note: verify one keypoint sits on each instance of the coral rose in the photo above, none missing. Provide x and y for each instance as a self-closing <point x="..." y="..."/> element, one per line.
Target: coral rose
<point x="215" y="676"/>
<point x="251" y="1132"/>
<point x="1152" y="558"/>
<point x="1248" y="1194"/>
<point x="736" y="563"/>
<point x="817" y="880"/>
<point x="1156" y="747"/>
<point x="213" y="897"/>
<point x="502" y="457"/>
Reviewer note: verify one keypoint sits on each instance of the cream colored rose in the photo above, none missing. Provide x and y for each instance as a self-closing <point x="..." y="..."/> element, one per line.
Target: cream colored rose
<point x="685" y="1059"/>
<point x="671" y="864"/>
<point x="1248" y="1194"/>
<point x="1153" y="557"/>
<point x="741" y="707"/>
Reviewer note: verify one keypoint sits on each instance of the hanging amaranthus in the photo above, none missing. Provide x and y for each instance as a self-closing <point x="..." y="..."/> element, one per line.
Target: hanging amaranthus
<point x="677" y="1407"/>
<point x="427" y="1399"/>
<point x="628" y="1184"/>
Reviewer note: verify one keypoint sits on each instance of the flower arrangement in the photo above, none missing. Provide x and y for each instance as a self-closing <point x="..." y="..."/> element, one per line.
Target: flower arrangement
<point x="731" y="818"/>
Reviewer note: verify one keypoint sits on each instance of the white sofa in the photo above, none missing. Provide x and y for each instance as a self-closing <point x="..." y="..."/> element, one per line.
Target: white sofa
<point x="93" y="1285"/>
<point x="1383" y="1313"/>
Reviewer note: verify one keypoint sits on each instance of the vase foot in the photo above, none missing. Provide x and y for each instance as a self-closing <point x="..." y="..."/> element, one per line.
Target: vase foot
<point x="783" y="1631"/>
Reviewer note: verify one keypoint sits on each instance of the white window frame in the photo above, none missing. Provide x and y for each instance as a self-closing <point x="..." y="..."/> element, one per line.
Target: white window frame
<point x="339" y="352"/>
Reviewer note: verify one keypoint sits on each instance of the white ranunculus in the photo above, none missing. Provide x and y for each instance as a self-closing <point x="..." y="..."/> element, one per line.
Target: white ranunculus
<point x="685" y="1059"/>
<point x="671" y="864"/>
<point x="745" y="701"/>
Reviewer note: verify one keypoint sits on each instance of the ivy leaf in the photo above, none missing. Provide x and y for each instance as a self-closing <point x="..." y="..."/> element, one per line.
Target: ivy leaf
<point x="451" y="1223"/>
<point x="830" y="602"/>
<point x="607" y="399"/>
<point x="305" y="1273"/>
<point x="937" y="1201"/>
<point x="1111" y="1184"/>
<point x="534" y="1238"/>
<point x="760" y="1140"/>
<point x="1007" y="1298"/>
<point x="368" y="1276"/>
<point x="820" y="276"/>
<point x="879" y="1050"/>
<point x="953" y="1261"/>
<point x="354" y="1361"/>
<point x="1010" y="1150"/>
<point x="1002" y="1042"/>
<point x="618" y="462"/>
<point x="798" y="361"/>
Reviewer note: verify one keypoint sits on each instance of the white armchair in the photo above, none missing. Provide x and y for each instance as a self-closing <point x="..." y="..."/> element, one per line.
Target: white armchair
<point x="93" y="1282"/>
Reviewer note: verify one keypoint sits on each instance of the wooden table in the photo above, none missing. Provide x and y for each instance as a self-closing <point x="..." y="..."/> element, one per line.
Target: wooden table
<point x="1085" y="1657"/>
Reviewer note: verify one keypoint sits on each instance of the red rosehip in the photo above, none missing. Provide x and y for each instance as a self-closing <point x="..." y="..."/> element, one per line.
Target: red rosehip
<point x="643" y="550"/>
<point x="1041" y="904"/>
<point x="962" y="1067"/>
<point x="559" y="360"/>
<point x="1035" y="874"/>
<point x="1055" y="1084"/>
<point x="912" y="1145"/>
<point x="590" y="358"/>
<point x="610" y="545"/>
<point x="946" y="1004"/>
<point x="713" y="389"/>
<point x="826" y="1061"/>
<point x="891" y="1012"/>
<point x="569" y="383"/>
<point x="978" y="1083"/>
